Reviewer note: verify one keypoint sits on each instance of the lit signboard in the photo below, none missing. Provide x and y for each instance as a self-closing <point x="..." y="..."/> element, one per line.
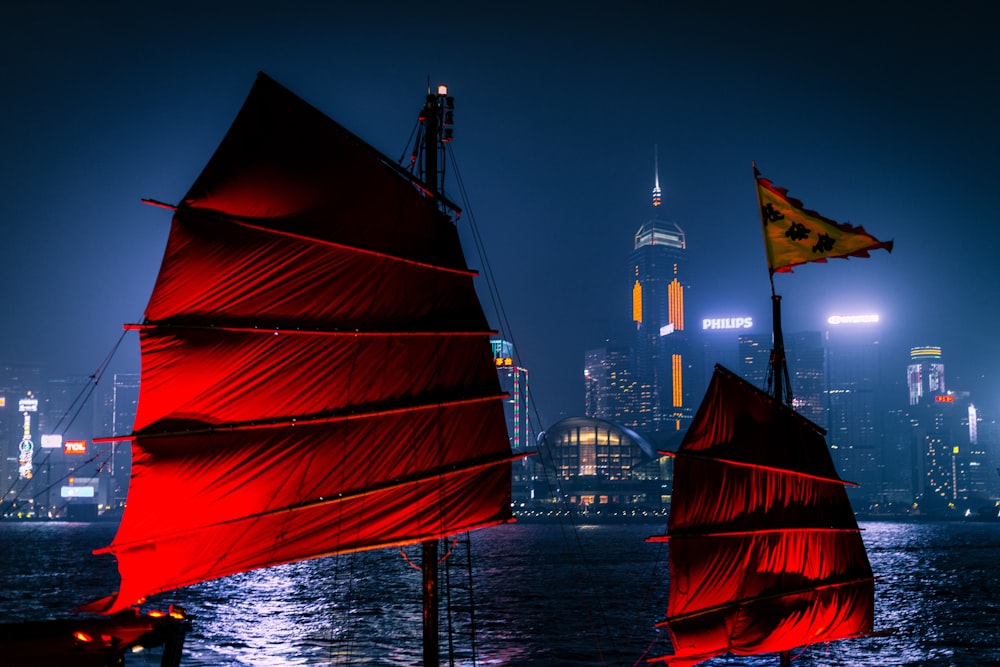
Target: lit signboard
<point x="933" y="352"/>
<point x="502" y="348"/>
<point x="27" y="405"/>
<point x="77" y="492"/>
<point x="666" y="329"/>
<point x="944" y="399"/>
<point x="75" y="447"/>
<point x="853" y="319"/>
<point x="51" y="441"/>
<point x="3" y="401"/>
<point x="726" y="323"/>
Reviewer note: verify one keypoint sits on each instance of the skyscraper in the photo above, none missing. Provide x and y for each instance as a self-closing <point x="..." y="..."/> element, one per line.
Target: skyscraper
<point x="20" y="384"/>
<point x="514" y="381"/>
<point x="806" y="357"/>
<point x="610" y="389"/>
<point x="663" y="361"/>
<point x="854" y="411"/>
<point x="925" y="374"/>
<point x="754" y="358"/>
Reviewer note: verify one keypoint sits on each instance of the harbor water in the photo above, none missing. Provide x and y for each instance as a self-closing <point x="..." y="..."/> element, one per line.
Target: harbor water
<point x="542" y="594"/>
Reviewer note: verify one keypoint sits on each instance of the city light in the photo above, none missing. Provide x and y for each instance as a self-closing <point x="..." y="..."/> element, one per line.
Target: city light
<point x="853" y="319"/>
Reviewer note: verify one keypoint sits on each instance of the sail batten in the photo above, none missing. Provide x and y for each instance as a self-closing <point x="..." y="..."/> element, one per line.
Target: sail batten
<point x="342" y="497"/>
<point x="372" y="417"/>
<point x="258" y="225"/>
<point x="304" y="420"/>
<point x="747" y="464"/>
<point x="765" y="552"/>
<point x="741" y="533"/>
<point x="287" y="330"/>
<point x="763" y="598"/>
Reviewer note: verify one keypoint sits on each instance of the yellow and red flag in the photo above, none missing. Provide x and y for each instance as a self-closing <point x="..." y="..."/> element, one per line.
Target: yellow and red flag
<point x="794" y="235"/>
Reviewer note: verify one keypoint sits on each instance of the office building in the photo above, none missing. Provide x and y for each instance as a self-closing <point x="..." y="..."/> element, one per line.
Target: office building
<point x="664" y="364"/>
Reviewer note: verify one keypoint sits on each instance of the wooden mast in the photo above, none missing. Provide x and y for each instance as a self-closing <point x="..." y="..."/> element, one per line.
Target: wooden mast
<point x="778" y="380"/>
<point x="432" y="176"/>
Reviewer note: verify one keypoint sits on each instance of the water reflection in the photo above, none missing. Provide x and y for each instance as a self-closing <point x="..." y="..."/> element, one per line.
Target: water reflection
<point x="546" y="595"/>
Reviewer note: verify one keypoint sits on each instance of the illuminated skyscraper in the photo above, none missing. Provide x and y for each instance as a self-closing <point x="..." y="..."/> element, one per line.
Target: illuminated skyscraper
<point x="806" y="357"/>
<point x="754" y="357"/>
<point x="925" y="374"/>
<point x="514" y="381"/>
<point x="18" y="382"/>
<point x="855" y="411"/>
<point x="663" y="362"/>
<point x="610" y="389"/>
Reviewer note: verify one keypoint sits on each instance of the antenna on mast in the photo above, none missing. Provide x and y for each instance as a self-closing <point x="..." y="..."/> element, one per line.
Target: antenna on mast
<point x="656" y="177"/>
<point x="438" y="120"/>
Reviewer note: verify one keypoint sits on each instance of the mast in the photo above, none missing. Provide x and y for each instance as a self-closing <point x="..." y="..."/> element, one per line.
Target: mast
<point x="436" y="114"/>
<point x="777" y="371"/>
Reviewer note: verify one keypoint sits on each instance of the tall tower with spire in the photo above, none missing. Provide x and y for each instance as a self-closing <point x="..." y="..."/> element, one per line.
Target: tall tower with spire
<point x="663" y="358"/>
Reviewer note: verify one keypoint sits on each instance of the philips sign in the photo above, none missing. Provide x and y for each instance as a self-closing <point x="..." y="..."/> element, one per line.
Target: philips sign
<point x="726" y="323"/>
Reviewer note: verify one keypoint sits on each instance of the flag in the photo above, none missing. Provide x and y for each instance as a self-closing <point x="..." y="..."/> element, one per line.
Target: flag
<point x="794" y="235"/>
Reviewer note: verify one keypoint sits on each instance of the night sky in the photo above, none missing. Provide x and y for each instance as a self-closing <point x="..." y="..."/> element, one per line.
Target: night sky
<point x="881" y="114"/>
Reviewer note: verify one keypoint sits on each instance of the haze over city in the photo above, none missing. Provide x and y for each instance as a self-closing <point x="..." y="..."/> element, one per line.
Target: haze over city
<point x="878" y="114"/>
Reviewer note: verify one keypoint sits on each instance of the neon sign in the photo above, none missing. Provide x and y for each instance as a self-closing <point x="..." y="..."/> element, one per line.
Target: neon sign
<point x="75" y="447"/>
<point x="853" y="319"/>
<point x="77" y="492"/>
<point x="944" y="399"/>
<point x="26" y="449"/>
<point x="723" y="323"/>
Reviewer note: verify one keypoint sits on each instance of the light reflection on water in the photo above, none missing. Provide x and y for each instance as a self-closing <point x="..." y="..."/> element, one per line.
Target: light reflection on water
<point x="545" y="594"/>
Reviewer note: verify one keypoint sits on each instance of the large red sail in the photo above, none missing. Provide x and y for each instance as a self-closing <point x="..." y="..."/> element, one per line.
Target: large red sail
<point x="316" y="370"/>
<point x="765" y="551"/>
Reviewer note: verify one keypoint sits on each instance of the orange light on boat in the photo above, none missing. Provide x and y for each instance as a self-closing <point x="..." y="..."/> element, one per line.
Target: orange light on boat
<point x="83" y="637"/>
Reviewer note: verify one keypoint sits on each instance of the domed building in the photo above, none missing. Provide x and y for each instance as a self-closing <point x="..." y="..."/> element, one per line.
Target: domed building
<point x="598" y="462"/>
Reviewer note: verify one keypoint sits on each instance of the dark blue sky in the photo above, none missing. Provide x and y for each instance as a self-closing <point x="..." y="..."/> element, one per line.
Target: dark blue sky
<point x="883" y="114"/>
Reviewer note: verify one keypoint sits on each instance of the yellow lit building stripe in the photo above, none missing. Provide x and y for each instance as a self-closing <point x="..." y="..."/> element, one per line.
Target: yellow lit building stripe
<point x="676" y="366"/>
<point x="675" y="304"/>
<point x="637" y="302"/>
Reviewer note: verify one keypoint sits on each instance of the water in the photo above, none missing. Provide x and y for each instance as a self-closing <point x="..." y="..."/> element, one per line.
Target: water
<point x="548" y="595"/>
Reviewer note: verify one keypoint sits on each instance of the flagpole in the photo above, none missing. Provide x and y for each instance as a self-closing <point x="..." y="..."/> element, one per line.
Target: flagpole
<point x="779" y="384"/>
<point x="777" y="365"/>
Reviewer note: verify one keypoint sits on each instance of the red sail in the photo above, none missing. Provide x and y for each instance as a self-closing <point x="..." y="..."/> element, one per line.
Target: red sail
<point x="316" y="370"/>
<point x="765" y="552"/>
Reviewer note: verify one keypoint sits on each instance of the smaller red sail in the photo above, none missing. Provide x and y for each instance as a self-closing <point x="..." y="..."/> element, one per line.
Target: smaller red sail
<point x="765" y="551"/>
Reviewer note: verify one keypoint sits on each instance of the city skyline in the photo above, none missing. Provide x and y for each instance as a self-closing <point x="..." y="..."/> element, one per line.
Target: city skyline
<point x="881" y="116"/>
